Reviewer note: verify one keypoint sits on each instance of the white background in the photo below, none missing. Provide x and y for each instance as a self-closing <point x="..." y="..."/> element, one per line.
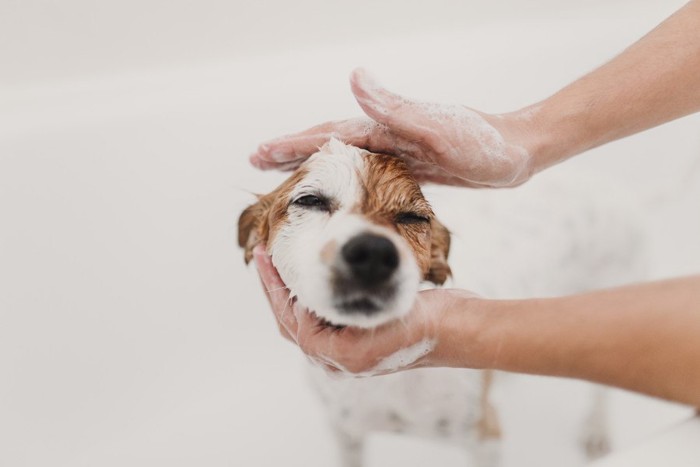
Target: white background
<point x="130" y="331"/>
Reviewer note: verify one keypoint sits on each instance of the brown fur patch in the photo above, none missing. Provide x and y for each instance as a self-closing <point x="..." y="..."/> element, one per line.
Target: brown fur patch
<point x="259" y="222"/>
<point x="389" y="189"/>
<point x="439" y="270"/>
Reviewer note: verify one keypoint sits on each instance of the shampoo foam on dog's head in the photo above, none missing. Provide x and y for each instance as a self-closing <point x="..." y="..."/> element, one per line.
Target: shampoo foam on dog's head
<point x="351" y="235"/>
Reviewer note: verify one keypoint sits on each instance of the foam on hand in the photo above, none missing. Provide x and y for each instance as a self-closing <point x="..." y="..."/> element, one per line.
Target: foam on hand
<point x="400" y="360"/>
<point x="461" y="131"/>
<point x="405" y="357"/>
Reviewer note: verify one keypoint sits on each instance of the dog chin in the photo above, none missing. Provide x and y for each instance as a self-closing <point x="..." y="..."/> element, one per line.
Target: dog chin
<point x="365" y="310"/>
<point x="340" y="316"/>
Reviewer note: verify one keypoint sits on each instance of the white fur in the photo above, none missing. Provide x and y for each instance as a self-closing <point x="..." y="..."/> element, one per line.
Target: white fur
<point x="551" y="237"/>
<point x="297" y="248"/>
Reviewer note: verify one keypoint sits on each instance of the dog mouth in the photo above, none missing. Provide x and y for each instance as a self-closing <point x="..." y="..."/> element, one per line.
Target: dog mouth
<point x="351" y="299"/>
<point x="360" y="305"/>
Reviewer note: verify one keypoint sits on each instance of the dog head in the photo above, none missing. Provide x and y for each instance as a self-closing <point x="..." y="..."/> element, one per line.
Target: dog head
<point x="351" y="235"/>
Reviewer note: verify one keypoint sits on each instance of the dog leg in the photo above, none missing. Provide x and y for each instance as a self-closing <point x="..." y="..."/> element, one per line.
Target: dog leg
<point x="595" y="432"/>
<point x="351" y="449"/>
<point x="487" y="449"/>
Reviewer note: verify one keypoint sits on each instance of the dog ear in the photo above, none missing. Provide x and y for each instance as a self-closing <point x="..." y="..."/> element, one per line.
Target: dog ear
<point x="439" y="250"/>
<point x="251" y="227"/>
<point x="255" y="221"/>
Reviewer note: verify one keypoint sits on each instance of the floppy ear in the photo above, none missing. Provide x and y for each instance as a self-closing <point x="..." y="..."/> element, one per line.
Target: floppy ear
<point x="251" y="227"/>
<point x="439" y="250"/>
<point x="254" y="222"/>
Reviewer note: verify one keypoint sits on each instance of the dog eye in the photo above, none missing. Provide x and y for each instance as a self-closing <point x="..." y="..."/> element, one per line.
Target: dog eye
<point x="411" y="218"/>
<point x="311" y="201"/>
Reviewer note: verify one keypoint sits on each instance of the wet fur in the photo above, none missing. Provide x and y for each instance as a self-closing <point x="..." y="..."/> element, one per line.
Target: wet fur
<point x="448" y="404"/>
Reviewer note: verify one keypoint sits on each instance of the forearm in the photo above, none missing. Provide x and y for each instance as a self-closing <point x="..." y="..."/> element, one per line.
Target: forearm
<point x="644" y="337"/>
<point x="654" y="81"/>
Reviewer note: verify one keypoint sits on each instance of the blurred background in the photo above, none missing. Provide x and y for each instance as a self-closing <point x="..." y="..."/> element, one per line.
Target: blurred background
<point x="131" y="333"/>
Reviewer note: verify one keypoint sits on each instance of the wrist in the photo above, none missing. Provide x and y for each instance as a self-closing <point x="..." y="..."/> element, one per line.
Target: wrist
<point x="495" y="334"/>
<point x="461" y="338"/>
<point x="548" y="133"/>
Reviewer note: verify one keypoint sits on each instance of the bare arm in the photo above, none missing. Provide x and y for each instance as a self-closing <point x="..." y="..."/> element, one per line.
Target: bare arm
<point x="645" y="338"/>
<point x="652" y="82"/>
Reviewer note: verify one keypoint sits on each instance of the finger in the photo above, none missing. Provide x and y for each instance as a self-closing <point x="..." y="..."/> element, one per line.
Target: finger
<point x="281" y="325"/>
<point x="398" y="113"/>
<point x="288" y="152"/>
<point x="276" y="291"/>
<point x="294" y="148"/>
<point x="286" y="333"/>
<point x="424" y="177"/>
<point x="273" y="284"/>
<point x="286" y="319"/>
<point x="262" y="164"/>
<point x="314" y="336"/>
<point x="299" y="146"/>
<point x="330" y="369"/>
<point x="427" y="172"/>
<point x="337" y="348"/>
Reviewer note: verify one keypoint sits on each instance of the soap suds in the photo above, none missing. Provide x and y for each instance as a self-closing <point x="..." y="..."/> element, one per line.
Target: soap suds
<point x="471" y="147"/>
<point x="405" y="357"/>
<point x="399" y="360"/>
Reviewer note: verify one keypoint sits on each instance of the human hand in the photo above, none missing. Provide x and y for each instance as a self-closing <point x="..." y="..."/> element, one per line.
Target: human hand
<point x="447" y="144"/>
<point x="423" y="338"/>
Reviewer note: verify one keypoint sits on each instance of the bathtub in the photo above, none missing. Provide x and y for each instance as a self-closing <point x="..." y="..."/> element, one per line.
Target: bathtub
<point x="131" y="333"/>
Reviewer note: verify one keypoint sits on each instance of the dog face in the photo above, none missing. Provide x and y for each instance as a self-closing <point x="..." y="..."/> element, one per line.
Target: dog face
<point x="351" y="235"/>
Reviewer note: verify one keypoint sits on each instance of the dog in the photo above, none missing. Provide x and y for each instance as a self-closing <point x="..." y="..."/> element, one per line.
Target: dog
<point x="354" y="239"/>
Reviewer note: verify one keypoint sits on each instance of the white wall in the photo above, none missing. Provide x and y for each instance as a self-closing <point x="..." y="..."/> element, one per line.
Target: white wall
<point x="130" y="332"/>
<point x="45" y="40"/>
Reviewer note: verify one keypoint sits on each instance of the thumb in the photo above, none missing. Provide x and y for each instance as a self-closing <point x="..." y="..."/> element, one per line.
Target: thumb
<point x="382" y="106"/>
<point x="275" y="289"/>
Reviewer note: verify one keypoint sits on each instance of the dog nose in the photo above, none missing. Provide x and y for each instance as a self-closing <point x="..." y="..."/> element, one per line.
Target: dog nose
<point x="372" y="258"/>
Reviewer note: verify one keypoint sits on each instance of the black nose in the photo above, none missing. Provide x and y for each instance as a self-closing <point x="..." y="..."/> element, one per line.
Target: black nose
<point x="371" y="258"/>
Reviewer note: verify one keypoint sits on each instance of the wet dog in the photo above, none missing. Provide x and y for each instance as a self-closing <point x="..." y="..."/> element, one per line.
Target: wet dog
<point x="353" y="238"/>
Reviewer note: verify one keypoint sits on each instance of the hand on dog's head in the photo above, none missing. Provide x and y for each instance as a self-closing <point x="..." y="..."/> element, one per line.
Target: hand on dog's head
<point x="351" y="235"/>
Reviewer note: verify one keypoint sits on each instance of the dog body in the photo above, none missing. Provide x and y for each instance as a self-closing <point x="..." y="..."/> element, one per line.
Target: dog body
<point x="442" y="404"/>
<point x="353" y="238"/>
